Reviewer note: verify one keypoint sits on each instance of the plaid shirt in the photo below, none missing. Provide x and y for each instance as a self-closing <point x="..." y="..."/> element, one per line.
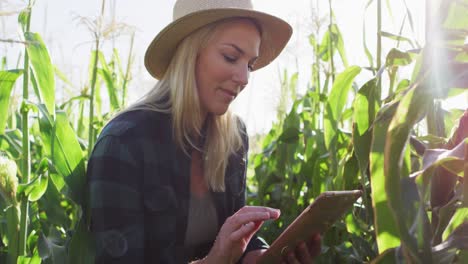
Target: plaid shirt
<point x="139" y="185"/>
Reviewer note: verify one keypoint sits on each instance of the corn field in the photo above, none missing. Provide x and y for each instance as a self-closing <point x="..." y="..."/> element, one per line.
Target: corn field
<point x="388" y="136"/>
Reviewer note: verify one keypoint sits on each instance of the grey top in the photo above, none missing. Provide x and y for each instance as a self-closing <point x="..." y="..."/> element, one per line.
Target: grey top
<point x="202" y="224"/>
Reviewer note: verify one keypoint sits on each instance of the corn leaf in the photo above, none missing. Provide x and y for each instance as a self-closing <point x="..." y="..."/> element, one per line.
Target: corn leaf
<point x="396" y="37"/>
<point x="411" y="109"/>
<point x="50" y="250"/>
<point x="52" y="204"/>
<point x="387" y="235"/>
<point x="398" y="58"/>
<point x="333" y="35"/>
<point x="386" y="257"/>
<point x="35" y="259"/>
<point x="111" y="89"/>
<point x="35" y="188"/>
<point x="12" y="216"/>
<point x="460" y="217"/>
<point x="62" y="145"/>
<point x="43" y="69"/>
<point x="81" y="248"/>
<point x="109" y="79"/>
<point x="456" y="15"/>
<point x="337" y="101"/>
<point x="7" y="81"/>
<point x="11" y="142"/>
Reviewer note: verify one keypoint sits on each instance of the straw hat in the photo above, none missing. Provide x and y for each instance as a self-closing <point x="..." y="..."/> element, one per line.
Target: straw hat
<point x="190" y="15"/>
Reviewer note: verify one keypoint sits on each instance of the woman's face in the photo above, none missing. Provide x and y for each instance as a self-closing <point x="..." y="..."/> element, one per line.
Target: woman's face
<point x="223" y="66"/>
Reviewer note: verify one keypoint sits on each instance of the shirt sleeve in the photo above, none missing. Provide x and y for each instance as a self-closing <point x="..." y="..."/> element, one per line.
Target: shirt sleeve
<point x="117" y="216"/>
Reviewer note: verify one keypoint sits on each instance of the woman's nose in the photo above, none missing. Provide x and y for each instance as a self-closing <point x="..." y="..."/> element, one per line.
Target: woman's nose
<point x="241" y="76"/>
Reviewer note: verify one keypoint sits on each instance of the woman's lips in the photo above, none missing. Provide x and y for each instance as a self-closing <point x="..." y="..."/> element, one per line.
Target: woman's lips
<point x="229" y="94"/>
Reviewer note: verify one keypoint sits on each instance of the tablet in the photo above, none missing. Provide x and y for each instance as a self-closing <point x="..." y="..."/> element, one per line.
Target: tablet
<point x="316" y="218"/>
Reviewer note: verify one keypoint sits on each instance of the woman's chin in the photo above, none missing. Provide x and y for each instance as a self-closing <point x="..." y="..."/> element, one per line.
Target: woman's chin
<point x="220" y="110"/>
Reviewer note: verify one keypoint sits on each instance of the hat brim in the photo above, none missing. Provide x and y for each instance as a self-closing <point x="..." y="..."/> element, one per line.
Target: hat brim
<point x="275" y="35"/>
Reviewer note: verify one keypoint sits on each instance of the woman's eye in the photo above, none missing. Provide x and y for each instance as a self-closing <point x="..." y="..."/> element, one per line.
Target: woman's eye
<point x="229" y="59"/>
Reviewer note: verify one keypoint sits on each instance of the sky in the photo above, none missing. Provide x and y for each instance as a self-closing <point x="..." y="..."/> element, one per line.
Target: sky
<point x="70" y="42"/>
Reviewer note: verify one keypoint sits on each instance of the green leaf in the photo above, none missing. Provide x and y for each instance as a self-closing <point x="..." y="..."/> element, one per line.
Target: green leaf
<point x="389" y="256"/>
<point x="11" y="142"/>
<point x="460" y="217"/>
<point x="387" y="235"/>
<point x="334" y="36"/>
<point x="23" y="18"/>
<point x="350" y="173"/>
<point x="463" y="256"/>
<point x="7" y="80"/>
<point x="444" y="215"/>
<point x="339" y="45"/>
<point x="450" y="159"/>
<point x="116" y="59"/>
<point x="396" y="37"/>
<point x="402" y="85"/>
<point x="289" y="135"/>
<point x="456" y="17"/>
<point x="75" y="98"/>
<point x="81" y="249"/>
<point x="35" y="188"/>
<point x="457" y="92"/>
<point x="366" y="105"/>
<point x="107" y="75"/>
<point x="411" y="109"/>
<point x="12" y="217"/>
<point x="457" y="240"/>
<point x="312" y="41"/>
<point x="111" y="90"/>
<point x="337" y="101"/>
<point x="43" y="69"/>
<point x="97" y="91"/>
<point x="61" y="144"/>
<point x="35" y="259"/>
<point x="439" y="169"/>
<point x="398" y="58"/>
<point x="51" y="203"/>
<point x="50" y="250"/>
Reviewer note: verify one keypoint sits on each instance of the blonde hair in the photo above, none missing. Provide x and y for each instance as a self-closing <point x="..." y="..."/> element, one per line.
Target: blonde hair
<point x="176" y="94"/>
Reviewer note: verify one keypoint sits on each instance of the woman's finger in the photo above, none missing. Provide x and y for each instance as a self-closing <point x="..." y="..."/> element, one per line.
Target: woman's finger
<point x="243" y="231"/>
<point x="314" y="245"/>
<point x="275" y="213"/>
<point x="302" y="253"/>
<point x="291" y="258"/>
<point x="236" y="221"/>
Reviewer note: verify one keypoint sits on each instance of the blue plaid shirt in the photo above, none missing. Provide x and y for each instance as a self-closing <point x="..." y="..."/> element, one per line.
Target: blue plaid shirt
<point x="139" y="185"/>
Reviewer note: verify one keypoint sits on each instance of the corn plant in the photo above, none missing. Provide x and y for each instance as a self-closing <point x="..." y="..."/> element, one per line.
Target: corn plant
<point x="44" y="213"/>
<point x="413" y="207"/>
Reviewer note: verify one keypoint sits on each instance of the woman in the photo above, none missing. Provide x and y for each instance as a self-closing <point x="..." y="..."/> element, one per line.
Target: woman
<point x="167" y="175"/>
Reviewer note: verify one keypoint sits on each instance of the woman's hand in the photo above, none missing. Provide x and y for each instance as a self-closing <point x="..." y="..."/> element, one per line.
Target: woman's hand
<point x="304" y="252"/>
<point x="237" y="231"/>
